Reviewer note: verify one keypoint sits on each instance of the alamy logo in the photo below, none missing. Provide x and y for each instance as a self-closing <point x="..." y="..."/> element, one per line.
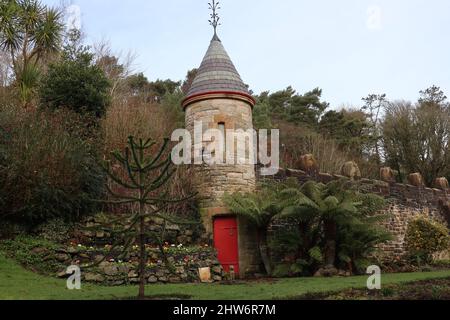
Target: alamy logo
<point x="374" y="18"/>
<point x="74" y="281"/>
<point x="227" y="147"/>
<point x="374" y="281"/>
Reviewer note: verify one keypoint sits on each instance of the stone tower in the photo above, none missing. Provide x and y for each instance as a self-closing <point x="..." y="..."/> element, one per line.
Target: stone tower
<point x="220" y="100"/>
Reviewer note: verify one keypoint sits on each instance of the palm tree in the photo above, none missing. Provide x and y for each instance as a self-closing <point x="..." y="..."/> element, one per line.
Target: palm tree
<point x="325" y="205"/>
<point x="29" y="32"/>
<point x="345" y="218"/>
<point x="303" y="210"/>
<point x="259" y="208"/>
<point x="358" y="239"/>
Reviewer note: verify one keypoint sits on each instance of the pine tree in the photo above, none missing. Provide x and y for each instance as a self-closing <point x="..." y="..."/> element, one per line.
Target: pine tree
<point x="147" y="176"/>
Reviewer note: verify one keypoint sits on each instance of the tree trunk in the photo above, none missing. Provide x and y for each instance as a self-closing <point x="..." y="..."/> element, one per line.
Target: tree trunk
<point x="305" y="246"/>
<point x="142" y="259"/>
<point x="143" y="253"/>
<point x="264" y="251"/>
<point x="330" y="231"/>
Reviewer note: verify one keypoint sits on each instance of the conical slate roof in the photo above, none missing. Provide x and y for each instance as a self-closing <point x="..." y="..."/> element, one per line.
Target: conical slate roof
<point x="217" y="74"/>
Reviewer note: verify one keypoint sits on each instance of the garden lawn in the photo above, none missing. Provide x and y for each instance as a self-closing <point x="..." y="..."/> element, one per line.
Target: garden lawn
<point x="18" y="283"/>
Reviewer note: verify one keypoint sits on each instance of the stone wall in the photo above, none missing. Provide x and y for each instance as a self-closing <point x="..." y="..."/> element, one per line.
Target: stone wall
<point x="184" y="265"/>
<point x="185" y="235"/>
<point x="405" y="202"/>
<point x="185" y="269"/>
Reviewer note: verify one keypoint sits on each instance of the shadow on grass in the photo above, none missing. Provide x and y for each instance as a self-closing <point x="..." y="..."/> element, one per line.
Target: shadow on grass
<point x="428" y="290"/>
<point x="163" y="297"/>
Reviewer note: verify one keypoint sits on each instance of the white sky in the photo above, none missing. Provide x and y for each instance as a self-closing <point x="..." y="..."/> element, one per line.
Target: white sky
<point x="349" y="48"/>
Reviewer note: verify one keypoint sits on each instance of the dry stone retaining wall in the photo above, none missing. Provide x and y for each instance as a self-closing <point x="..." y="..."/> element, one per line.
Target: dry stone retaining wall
<point x="185" y="235"/>
<point x="405" y="203"/>
<point x="184" y="266"/>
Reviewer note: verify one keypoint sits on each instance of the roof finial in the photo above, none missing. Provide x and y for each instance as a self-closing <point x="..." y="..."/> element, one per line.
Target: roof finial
<point x="214" y="6"/>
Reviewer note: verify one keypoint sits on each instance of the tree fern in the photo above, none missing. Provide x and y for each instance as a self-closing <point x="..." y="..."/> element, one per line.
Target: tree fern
<point x="259" y="208"/>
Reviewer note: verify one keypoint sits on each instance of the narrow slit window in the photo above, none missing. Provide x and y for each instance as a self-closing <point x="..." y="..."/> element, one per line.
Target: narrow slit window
<point x="224" y="140"/>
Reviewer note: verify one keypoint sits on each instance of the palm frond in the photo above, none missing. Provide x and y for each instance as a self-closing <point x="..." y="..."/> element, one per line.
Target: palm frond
<point x="48" y="35"/>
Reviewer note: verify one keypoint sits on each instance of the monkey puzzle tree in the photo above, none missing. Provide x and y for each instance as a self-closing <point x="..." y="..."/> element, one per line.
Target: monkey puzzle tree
<point x="145" y="180"/>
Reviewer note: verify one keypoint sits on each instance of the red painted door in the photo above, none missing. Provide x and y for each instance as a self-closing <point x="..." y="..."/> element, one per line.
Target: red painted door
<point x="226" y="242"/>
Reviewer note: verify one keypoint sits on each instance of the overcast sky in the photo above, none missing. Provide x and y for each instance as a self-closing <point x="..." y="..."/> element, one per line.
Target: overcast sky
<point x="349" y="48"/>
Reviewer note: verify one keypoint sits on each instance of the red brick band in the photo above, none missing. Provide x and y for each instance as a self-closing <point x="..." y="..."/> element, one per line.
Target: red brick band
<point x="217" y="95"/>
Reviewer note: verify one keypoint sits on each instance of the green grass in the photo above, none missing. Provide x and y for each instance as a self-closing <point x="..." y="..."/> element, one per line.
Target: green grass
<point x="18" y="283"/>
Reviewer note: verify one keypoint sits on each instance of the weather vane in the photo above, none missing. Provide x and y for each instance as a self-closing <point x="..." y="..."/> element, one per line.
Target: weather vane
<point x="214" y="6"/>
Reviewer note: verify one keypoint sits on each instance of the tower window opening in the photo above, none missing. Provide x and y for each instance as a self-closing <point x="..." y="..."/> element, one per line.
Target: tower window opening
<point x="223" y="143"/>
